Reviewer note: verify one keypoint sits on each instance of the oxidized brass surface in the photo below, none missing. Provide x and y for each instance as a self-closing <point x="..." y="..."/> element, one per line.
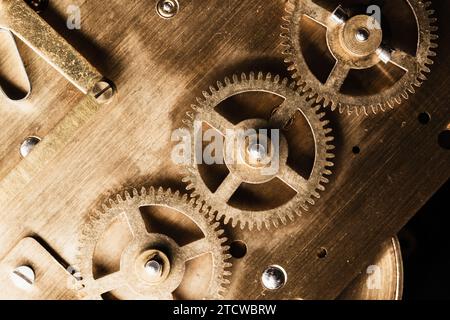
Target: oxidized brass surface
<point x="159" y="66"/>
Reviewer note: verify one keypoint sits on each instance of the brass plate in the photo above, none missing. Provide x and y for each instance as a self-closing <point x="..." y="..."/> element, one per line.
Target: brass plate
<point x="159" y="67"/>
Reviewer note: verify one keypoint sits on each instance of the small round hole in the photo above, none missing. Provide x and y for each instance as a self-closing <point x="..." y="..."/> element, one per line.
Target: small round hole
<point x="356" y="150"/>
<point x="424" y="118"/>
<point x="238" y="249"/>
<point x="322" y="253"/>
<point x="444" y="139"/>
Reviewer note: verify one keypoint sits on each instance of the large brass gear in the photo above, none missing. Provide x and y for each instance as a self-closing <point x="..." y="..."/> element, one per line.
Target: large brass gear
<point x="133" y="277"/>
<point x="353" y="54"/>
<point x="306" y="188"/>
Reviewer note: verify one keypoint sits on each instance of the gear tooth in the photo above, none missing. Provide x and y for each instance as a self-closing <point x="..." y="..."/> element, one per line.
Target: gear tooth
<point x="190" y="187"/>
<point x="275" y="224"/>
<point x="235" y="79"/>
<point x="243" y="77"/>
<point x="321" y="187"/>
<point x="111" y="203"/>
<point x="184" y="197"/>
<point x="212" y="90"/>
<point x="190" y="115"/>
<point x="227" y="81"/>
<point x="252" y="76"/>
<point x="276" y="79"/>
<point x="200" y="102"/>
<point x="311" y="201"/>
<point x="324" y="180"/>
<point x="260" y="75"/>
<point x="268" y="76"/>
<point x="206" y="94"/>
<point x="290" y="216"/>
<point x="127" y="195"/>
<point x="292" y="85"/>
<point x="219" y="85"/>
<point x="135" y="192"/>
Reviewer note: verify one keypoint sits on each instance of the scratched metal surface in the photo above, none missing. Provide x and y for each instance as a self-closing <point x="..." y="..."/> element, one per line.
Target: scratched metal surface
<point x="159" y="67"/>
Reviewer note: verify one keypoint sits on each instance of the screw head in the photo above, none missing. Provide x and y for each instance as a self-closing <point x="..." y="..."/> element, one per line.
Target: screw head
<point x="154" y="268"/>
<point x="274" y="277"/>
<point x="28" y="145"/>
<point x="167" y="9"/>
<point x="257" y="152"/>
<point x="23" y="277"/>
<point x="104" y="91"/>
<point x="362" y="35"/>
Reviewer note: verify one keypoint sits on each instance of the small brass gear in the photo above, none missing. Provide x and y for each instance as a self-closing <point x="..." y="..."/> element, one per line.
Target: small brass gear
<point x="357" y="43"/>
<point x="152" y="265"/>
<point x="306" y="188"/>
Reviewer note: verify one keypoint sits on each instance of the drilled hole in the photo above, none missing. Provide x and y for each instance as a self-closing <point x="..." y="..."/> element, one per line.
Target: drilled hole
<point x="356" y="150"/>
<point x="322" y="253"/>
<point x="238" y="249"/>
<point x="424" y="118"/>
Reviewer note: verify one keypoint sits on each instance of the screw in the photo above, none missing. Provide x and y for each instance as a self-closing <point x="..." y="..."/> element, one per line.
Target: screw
<point x="28" y="145"/>
<point x="23" y="277"/>
<point x="257" y="152"/>
<point x="154" y="268"/>
<point x="104" y="91"/>
<point x="274" y="277"/>
<point x="167" y="9"/>
<point x="362" y="35"/>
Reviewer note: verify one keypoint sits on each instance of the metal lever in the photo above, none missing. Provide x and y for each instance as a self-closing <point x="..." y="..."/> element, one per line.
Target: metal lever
<point x="27" y="25"/>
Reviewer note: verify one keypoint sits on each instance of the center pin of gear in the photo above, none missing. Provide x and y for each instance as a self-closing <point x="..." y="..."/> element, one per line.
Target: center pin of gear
<point x="152" y="266"/>
<point x="306" y="188"/>
<point x="357" y="43"/>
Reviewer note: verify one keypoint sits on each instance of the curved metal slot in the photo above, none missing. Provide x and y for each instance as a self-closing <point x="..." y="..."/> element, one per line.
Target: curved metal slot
<point x="14" y="81"/>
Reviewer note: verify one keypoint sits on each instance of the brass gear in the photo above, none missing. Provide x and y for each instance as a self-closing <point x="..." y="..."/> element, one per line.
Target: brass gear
<point x="306" y="188"/>
<point x="353" y="54"/>
<point x="144" y="247"/>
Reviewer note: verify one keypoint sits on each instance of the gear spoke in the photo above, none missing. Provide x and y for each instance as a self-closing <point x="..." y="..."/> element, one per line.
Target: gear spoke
<point x="293" y="179"/>
<point x="218" y="122"/>
<point x="316" y="12"/>
<point x="403" y="60"/>
<point x="282" y="115"/>
<point x="196" y="249"/>
<point x="109" y="282"/>
<point x="228" y="187"/>
<point x="337" y="76"/>
<point x="136" y="222"/>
